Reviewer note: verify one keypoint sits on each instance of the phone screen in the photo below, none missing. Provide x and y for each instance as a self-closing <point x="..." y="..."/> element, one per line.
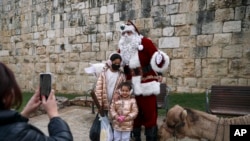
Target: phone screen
<point x="45" y="84"/>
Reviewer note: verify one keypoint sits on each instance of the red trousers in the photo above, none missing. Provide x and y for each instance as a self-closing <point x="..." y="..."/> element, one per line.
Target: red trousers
<point x="147" y="108"/>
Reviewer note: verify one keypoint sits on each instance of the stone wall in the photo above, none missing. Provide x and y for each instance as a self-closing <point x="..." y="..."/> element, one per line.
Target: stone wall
<point x="207" y="40"/>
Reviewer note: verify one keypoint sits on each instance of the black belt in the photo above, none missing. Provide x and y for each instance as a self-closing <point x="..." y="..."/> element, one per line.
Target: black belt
<point x="138" y="70"/>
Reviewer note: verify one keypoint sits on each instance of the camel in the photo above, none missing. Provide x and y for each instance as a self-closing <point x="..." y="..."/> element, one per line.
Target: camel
<point x="185" y="122"/>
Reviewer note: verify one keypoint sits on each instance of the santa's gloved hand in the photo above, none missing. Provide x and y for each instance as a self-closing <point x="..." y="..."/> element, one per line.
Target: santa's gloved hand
<point x="121" y="118"/>
<point x="158" y="58"/>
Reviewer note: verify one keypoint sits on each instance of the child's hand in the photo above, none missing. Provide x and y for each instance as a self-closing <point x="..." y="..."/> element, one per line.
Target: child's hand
<point x="121" y="118"/>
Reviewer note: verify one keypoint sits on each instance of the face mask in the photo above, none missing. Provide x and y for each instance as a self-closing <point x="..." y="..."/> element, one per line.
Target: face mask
<point x="115" y="67"/>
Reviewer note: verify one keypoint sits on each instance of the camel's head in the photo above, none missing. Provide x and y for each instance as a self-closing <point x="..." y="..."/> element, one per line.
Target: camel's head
<point x="163" y="132"/>
<point x="176" y="121"/>
<point x="180" y="120"/>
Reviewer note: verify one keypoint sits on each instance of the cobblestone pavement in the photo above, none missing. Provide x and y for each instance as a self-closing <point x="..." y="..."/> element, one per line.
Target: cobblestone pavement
<point x="79" y="119"/>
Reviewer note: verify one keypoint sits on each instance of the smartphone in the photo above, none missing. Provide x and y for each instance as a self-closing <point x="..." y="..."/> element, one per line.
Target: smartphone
<point x="45" y="84"/>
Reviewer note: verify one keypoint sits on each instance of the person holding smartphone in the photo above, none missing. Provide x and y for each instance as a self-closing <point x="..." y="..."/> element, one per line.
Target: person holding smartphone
<point x="14" y="125"/>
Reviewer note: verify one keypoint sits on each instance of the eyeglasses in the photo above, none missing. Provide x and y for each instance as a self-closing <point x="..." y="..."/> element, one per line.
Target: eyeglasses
<point x="127" y="32"/>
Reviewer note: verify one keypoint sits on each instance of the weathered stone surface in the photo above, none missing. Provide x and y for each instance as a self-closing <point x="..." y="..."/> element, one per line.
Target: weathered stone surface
<point x="232" y="26"/>
<point x="212" y="68"/>
<point x="179" y="19"/>
<point x="211" y="28"/>
<point x="222" y="38"/>
<point x="224" y="14"/>
<point x="207" y="41"/>
<point x="169" y="42"/>
<point x="232" y="51"/>
<point x="168" y="31"/>
<point x="204" y="40"/>
<point x="188" y="41"/>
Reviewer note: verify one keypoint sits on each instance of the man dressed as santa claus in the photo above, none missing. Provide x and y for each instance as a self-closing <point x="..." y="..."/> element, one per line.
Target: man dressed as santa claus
<point x="143" y="64"/>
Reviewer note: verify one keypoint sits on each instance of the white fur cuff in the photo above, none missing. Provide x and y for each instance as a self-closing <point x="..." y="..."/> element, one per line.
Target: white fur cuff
<point x="154" y="65"/>
<point x="145" y="89"/>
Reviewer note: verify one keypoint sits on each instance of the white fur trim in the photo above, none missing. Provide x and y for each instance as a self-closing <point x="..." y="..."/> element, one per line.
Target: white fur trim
<point x="154" y="65"/>
<point x="145" y="89"/>
<point x="134" y="61"/>
<point x="140" y="47"/>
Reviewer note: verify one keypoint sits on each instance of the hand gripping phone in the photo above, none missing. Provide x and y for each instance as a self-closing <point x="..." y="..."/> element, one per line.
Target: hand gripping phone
<point x="45" y="84"/>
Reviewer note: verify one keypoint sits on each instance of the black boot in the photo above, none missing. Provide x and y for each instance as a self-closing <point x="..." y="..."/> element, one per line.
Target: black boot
<point x="151" y="133"/>
<point x="136" y="134"/>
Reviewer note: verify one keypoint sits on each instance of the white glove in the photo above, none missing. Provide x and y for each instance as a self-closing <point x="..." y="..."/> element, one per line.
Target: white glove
<point x="158" y="58"/>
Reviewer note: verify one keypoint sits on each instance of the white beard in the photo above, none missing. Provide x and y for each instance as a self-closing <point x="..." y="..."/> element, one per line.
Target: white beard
<point x="129" y="46"/>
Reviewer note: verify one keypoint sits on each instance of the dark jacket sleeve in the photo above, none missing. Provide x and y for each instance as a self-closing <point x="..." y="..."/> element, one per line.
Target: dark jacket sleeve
<point x="59" y="130"/>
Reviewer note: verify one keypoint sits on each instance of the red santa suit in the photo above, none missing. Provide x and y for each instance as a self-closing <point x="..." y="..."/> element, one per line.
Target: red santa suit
<point x="142" y="64"/>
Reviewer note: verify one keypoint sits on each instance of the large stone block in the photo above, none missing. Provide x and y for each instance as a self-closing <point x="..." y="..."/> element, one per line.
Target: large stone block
<point x="81" y="39"/>
<point x="63" y="57"/>
<point x="178" y="19"/>
<point x="198" y="68"/>
<point x="77" y="48"/>
<point x="168" y="31"/>
<point x="222" y="38"/>
<point x="4" y="53"/>
<point x="204" y="40"/>
<point x="172" y="8"/>
<point x="74" y="57"/>
<point x="239" y="12"/>
<point x="232" y="26"/>
<point x="69" y="32"/>
<point x="95" y="47"/>
<point x="155" y="33"/>
<point x="103" y="10"/>
<point x="229" y="81"/>
<point x="182" y="30"/>
<point x="207" y="82"/>
<point x="169" y="42"/>
<point x="166" y="2"/>
<point x="211" y="28"/>
<point x="94" y="11"/>
<point x="40" y="67"/>
<point x="104" y="46"/>
<point x="51" y="33"/>
<point x="189" y="6"/>
<point x="188" y="41"/>
<point x="214" y="51"/>
<point x="191" y="82"/>
<point x="182" y="67"/>
<point x="43" y="58"/>
<point x="87" y="56"/>
<point x="224" y="14"/>
<point x="199" y="52"/>
<point x="53" y="58"/>
<point x="181" y="53"/>
<point x="214" y="68"/>
<point x="232" y="51"/>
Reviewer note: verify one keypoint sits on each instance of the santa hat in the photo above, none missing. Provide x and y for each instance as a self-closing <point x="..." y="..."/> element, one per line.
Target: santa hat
<point x="129" y="26"/>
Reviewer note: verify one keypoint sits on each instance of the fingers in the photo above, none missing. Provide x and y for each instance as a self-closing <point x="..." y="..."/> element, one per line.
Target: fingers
<point x="37" y="93"/>
<point x="43" y="99"/>
<point x="52" y="95"/>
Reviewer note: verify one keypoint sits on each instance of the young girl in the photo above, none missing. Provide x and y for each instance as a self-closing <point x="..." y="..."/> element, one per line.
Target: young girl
<point x="123" y="112"/>
<point x="108" y="80"/>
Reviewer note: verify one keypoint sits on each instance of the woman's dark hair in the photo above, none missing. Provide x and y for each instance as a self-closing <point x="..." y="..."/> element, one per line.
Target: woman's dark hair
<point x="115" y="56"/>
<point x="127" y="84"/>
<point x="10" y="93"/>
